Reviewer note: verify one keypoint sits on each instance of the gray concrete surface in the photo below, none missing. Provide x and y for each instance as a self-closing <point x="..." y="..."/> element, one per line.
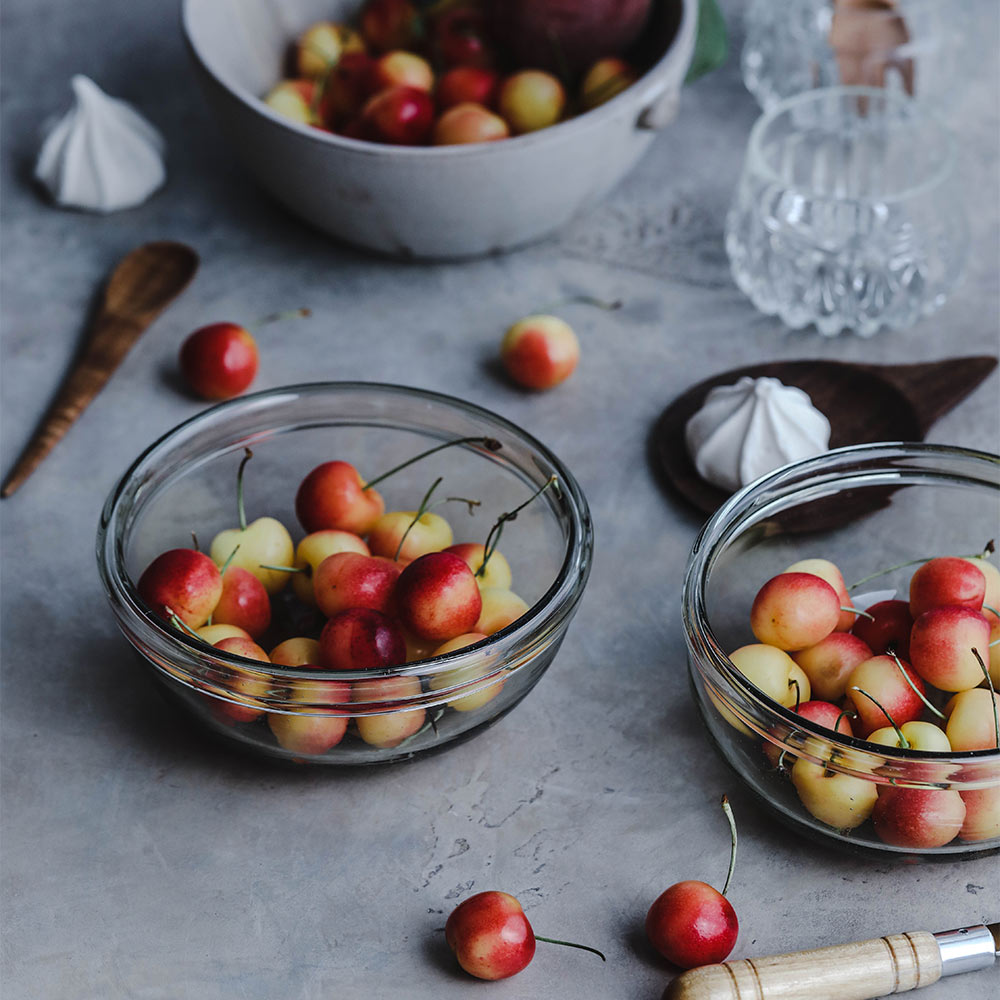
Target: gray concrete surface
<point x="141" y="861"/>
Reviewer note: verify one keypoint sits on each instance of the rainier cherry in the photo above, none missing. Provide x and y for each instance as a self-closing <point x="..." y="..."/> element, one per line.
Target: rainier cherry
<point x="219" y="361"/>
<point x="184" y="583"/>
<point x="946" y="581"/>
<point x="794" y="610"/>
<point x="540" y="351"/>
<point x="531" y="99"/>
<point x="693" y="924"/>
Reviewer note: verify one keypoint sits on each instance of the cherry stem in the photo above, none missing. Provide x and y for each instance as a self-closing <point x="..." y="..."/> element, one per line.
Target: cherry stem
<point x="859" y="612"/>
<point x="225" y="565"/>
<point x="798" y="696"/>
<point x="241" y="510"/>
<point x="284" y="569"/>
<point x="989" y="681"/>
<point x="904" y="743"/>
<point x="179" y="622"/>
<point x="491" y="444"/>
<point x="781" y="759"/>
<point x="493" y="538"/>
<point x="991" y="609"/>
<point x="913" y="687"/>
<point x="572" y="944"/>
<point x="995" y="642"/>
<point x="421" y="510"/>
<point x="844" y="714"/>
<point x="471" y="504"/>
<point x="727" y="809"/>
<point x="279" y="316"/>
<point x="584" y="300"/>
<point x="913" y="562"/>
<point x="194" y="540"/>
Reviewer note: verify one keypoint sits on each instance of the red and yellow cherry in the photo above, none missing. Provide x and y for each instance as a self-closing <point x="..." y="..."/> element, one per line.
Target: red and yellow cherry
<point x="991" y="595"/>
<point x="839" y="800"/>
<point x="333" y="495"/>
<point x="295" y="100"/>
<point x="467" y="676"/>
<point x="974" y="720"/>
<point x="348" y="87"/>
<point x="390" y="24"/>
<point x="794" y="610"/>
<point x="244" y="688"/>
<point x="184" y="583"/>
<point x="923" y="736"/>
<point x="299" y="651"/>
<point x="401" y="535"/>
<point x="823" y="713"/>
<point x="322" y="45"/>
<point x="490" y="936"/>
<point x="437" y="597"/>
<point x="244" y="602"/>
<point x="982" y="814"/>
<point x="828" y="571"/>
<point x="400" y="69"/>
<point x="691" y="923"/>
<point x="497" y="572"/>
<point x="219" y="361"/>
<point x="944" y="644"/>
<point x="468" y="122"/>
<point x="361" y="639"/>
<point x="886" y="628"/>
<point x="607" y="78"/>
<point x="467" y="85"/>
<point x="884" y="690"/>
<point x="388" y="727"/>
<point x="501" y="607"/>
<point x="213" y="633"/>
<point x="829" y="663"/>
<point x="460" y="38"/>
<point x="773" y="672"/>
<point x="351" y="580"/>
<point x="946" y="581"/>
<point x="531" y="99"/>
<point x="540" y="351"/>
<point x="261" y="544"/>
<point x="400" y="115"/>
<point x="919" y="818"/>
<point x="316" y="547"/>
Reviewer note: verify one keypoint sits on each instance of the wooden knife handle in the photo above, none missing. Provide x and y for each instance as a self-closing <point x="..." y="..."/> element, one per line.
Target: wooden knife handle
<point x="857" y="971"/>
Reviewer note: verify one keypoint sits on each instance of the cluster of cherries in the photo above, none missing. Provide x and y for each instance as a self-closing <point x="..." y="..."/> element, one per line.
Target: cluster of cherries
<point x="411" y="78"/>
<point x="383" y="589"/>
<point x="914" y="674"/>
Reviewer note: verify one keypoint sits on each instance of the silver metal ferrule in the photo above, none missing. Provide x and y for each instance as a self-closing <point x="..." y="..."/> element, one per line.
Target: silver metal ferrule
<point x="966" y="949"/>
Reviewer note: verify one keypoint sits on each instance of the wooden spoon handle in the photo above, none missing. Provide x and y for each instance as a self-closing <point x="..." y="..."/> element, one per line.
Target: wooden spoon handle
<point x="857" y="971"/>
<point x="111" y="340"/>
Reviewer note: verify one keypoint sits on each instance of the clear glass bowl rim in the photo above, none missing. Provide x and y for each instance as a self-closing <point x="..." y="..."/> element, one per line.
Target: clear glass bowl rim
<point x="519" y="641"/>
<point x="727" y="523"/>
<point x="756" y="163"/>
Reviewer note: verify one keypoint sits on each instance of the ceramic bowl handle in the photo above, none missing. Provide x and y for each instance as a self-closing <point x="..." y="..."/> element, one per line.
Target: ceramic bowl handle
<point x="659" y="110"/>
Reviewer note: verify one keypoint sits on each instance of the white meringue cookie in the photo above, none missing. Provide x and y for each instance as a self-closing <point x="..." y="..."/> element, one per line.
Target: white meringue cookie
<point x="102" y="155"/>
<point x="745" y="430"/>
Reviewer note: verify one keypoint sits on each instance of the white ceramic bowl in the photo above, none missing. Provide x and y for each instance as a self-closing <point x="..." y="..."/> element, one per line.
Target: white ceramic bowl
<point x="452" y="201"/>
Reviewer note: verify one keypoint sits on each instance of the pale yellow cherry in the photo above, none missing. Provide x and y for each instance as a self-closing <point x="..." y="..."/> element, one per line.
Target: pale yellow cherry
<point x="974" y="720"/>
<point x="428" y="533"/>
<point x="390" y="729"/>
<point x="299" y="651"/>
<point x="840" y="800"/>
<point x="466" y="675"/>
<point x="264" y="542"/>
<point x="501" y="607"/>
<point x="322" y="45"/>
<point x="919" y="736"/>
<point x="497" y="572"/>
<point x="982" y="814"/>
<point x="313" y="549"/>
<point x="774" y="672"/>
<point x="215" y="633"/>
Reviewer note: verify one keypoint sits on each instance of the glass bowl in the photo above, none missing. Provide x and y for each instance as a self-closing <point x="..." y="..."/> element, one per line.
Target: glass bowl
<point x="186" y="482"/>
<point x="848" y="213"/>
<point x="865" y="508"/>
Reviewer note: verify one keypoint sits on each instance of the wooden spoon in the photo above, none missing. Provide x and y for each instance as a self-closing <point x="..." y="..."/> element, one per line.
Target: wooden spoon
<point x="143" y="284"/>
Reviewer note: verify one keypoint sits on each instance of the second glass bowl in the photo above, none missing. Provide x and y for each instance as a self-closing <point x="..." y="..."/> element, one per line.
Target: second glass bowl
<point x="186" y="482"/>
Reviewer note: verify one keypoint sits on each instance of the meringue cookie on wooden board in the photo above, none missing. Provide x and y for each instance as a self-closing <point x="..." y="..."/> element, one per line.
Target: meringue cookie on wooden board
<point x="746" y="430"/>
<point x="102" y="155"/>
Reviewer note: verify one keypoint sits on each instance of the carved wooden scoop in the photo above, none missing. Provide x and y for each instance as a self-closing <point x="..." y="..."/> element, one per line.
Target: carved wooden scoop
<point x="143" y="284"/>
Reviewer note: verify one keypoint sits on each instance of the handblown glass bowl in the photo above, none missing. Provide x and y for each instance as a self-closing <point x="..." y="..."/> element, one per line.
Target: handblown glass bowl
<point x="865" y="508"/>
<point x="186" y="482"/>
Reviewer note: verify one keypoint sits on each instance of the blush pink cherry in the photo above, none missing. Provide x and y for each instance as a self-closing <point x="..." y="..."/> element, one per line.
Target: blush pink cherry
<point x="946" y="581"/>
<point x="244" y="602"/>
<point x="823" y="713"/>
<point x="942" y="643"/>
<point x="184" y="583"/>
<point x="887" y="628"/>
<point x="467" y="85"/>
<point x="540" y="351"/>
<point x="316" y="547"/>
<point x="437" y="597"/>
<point x="468" y="122"/>
<point x="920" y="818"/>
<point x="389" y="724"/>
<point x="898" y="696"/>
<point x="351" y="580"/>
<point x="829" y="663"/>
<point x="243" y="687"/>
<point x="401" y="69"/>
<point x="361" y="639"/>
<point x="829" y="571"/>
<point x="333" y="496"/>
<point x="794" y="610"/>
<point x="490" y="936"/>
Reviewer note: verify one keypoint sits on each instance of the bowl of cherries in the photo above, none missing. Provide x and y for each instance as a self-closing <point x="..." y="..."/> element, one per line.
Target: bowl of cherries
<point x="440" y="128"/>
<point x="843" y="638"/>
<point x="345" y="573"/>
